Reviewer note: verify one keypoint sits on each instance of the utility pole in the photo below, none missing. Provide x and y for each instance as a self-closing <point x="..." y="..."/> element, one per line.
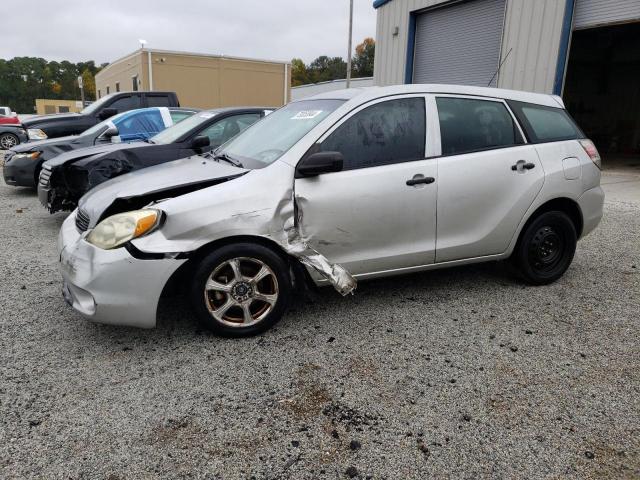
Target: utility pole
<point x="350" y="39"/>
<point x="81" y="86"/>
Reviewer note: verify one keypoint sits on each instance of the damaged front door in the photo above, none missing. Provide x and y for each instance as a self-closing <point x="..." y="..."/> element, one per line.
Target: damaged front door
<point x="378" y="213"/>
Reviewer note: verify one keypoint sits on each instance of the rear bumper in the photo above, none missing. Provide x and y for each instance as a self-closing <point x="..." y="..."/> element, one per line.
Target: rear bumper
<point x="110" y="286"/>
<point x="591" y="205"/>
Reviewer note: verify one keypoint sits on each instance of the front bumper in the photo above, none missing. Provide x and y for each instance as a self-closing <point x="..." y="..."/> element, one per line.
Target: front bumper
<point x="19" y="172"/>
<point x="110" y="286"/>
<point x="591" y="204"/>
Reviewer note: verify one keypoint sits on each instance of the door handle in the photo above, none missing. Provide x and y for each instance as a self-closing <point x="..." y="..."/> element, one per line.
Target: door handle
<point x="416" y="181"/>
<point x="522" y="165"/>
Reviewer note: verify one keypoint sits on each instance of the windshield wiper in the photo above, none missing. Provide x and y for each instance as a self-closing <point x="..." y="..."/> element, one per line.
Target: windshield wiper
<point x="227" y="158"/>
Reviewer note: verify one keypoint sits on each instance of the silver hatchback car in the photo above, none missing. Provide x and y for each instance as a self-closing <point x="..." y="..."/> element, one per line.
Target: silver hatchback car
<point x="347" y="185"/>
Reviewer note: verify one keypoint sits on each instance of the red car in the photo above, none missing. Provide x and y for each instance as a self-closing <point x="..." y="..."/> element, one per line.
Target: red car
<point x="5" y="120"/>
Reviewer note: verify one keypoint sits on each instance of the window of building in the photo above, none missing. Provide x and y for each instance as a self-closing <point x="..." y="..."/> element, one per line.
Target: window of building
<point x="388" y="132"/>
<point x="99" y="93"/>
<point x="134" y="83"/>
<point x="546" y="124"/>
<point x="107" y="90"/>
<point x="63" y="109"/>
<point x="469" y="125"/>
<point x="117" y="86"/>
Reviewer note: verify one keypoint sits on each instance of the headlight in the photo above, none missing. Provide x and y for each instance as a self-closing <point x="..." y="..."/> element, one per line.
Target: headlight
<point x="30" y="155"/>
<point x="36" y="134"/>
<point x="118" y="229"/>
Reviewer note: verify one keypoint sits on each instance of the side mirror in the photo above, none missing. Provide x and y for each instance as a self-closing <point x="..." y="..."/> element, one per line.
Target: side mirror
<point x="107" y="113"/>
<point x="200" y="141"/>
<point x="111" y="131"/>
<point x="318" y="163"/>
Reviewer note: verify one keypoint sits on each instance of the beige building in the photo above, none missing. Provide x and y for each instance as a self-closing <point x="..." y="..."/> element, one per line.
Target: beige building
<point x="45" y="106"/>
<point x="200" y="80"/>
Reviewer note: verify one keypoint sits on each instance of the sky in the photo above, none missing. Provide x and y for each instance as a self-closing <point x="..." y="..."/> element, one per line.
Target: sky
<point x="104" y="30"/>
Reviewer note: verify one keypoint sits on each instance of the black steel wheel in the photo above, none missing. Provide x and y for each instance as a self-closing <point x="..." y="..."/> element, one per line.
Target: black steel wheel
<point x="545" y="248"/>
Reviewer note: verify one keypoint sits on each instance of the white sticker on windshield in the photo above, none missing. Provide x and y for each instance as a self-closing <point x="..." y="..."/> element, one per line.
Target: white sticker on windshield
<point x="306" y="114"/>
<point x="207" y="115"/>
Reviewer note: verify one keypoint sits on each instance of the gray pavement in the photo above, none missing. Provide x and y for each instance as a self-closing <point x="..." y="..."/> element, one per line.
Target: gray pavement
<point x="462" y="373"/>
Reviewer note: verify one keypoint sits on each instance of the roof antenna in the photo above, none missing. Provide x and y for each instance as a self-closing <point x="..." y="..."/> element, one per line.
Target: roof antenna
<point x="500" y="66"/>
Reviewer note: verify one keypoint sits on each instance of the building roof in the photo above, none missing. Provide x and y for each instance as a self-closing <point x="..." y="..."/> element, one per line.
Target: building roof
<point x="189" y="54"/>
<point x="379" y="3"/>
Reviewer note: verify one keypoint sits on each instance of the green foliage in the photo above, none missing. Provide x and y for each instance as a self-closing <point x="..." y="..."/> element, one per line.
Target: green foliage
<point x="362" y="62"/>
<point x="23" y="79"/>
<point x="324" y="68"/>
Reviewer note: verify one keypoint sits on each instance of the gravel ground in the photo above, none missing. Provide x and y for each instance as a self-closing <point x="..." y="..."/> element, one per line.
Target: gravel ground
<point x="461" y="373"/>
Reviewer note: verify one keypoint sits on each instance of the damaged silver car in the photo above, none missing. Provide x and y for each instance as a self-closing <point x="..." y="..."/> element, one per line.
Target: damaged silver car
<point x="347" y="185"/>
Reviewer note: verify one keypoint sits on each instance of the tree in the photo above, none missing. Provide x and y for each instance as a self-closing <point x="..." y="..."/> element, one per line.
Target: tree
<point x="362" y="63"/>
<point x="89" y="84"/>
<point x="23" y="79"/>
<point x="324" y="69"/>
<point x="299" y="75"/>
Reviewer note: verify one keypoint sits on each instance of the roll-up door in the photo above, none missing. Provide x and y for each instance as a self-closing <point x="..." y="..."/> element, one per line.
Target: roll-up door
<point x="592" y="13"/>
<point x="459" y="44"/>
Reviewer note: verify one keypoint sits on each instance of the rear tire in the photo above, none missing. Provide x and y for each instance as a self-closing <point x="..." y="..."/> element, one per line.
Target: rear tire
<point x="8" y="140"/>
<point x="241" y="290"/>
<point x="546" y="248"/>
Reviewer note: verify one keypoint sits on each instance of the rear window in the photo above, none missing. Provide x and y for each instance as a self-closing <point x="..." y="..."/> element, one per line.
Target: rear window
<point x="546" y="124"/>
<point x="158" y="101"/>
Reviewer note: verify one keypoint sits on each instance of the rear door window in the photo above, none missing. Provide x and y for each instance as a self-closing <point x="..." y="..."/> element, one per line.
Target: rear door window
<point x="546" y="124"/>
<point x="470" y="125"/>
<point x="385" y="133"/>
<point x="179" y="115"/>
<point x="158" y="101"/>
<point x="227" y="128"/>
<point x="123" y="104"/>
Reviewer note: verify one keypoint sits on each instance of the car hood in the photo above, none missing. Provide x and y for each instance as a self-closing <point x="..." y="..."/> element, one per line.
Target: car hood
<point x="141" y="187"/>
<point x="43" y="144"/>
<point x="56" y="117"/>
<point x="75" y="155"/>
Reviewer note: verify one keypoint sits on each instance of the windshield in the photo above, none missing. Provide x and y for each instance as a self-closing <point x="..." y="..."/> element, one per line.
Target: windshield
<point x="99" y="126"/>
<point x="267" y="140"/>
<point x="173" y="133"/>
<point x="97" y="104"/>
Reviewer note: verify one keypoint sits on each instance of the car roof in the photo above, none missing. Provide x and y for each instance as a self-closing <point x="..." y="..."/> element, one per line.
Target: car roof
<point x="183" y="109"/>
<point x="221" y="110"/>
<point x="364" y="94"/>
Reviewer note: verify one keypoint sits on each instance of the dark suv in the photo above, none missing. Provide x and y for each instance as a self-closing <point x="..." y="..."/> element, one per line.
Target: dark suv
<point x="60" y="125"/>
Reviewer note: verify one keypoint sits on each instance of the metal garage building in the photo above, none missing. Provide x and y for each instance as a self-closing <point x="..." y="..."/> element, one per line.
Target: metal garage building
<point x="588" y="51"/>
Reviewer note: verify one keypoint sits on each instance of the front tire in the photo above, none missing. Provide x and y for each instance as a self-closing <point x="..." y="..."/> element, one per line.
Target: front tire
<point x="8" y="141"/>
<point x="241" y="290"/>
<point x="546" y="248"/>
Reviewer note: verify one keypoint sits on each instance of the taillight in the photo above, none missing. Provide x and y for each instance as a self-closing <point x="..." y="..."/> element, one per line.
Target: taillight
<point x="592" y="151"/>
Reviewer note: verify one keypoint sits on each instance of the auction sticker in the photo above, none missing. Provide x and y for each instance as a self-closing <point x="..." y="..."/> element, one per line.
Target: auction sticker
<point x="306" y="114"/>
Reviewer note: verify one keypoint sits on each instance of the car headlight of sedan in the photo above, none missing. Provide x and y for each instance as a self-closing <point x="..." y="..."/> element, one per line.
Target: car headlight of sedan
<point x="28" y="155"/>
<point x="36" y="134"/>
<point x="118" y="229"/>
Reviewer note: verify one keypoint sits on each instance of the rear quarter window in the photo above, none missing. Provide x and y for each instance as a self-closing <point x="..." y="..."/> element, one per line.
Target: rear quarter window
<point x="546" y="124"/>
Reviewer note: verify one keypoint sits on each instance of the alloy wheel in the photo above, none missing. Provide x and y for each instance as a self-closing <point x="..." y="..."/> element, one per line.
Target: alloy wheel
<point x="241" y="292"/>
<point x="8" y="141"/>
